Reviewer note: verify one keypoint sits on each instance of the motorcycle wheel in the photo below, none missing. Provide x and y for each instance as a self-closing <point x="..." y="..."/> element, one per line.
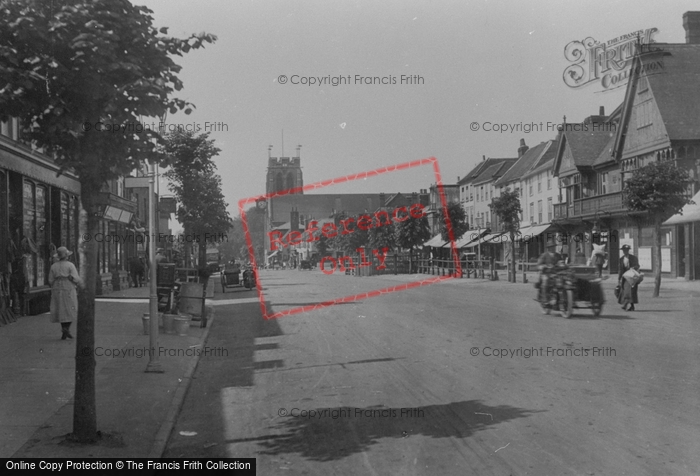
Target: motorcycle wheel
<point x="567" y="303"/>
<point x="544" y="302"/>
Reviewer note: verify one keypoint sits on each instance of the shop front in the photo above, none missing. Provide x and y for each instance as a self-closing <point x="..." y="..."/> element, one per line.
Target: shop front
<point x="39" y="212"/>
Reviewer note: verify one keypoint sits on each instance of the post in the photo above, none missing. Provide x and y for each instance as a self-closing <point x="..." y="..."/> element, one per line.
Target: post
<point x="154" y="365"/>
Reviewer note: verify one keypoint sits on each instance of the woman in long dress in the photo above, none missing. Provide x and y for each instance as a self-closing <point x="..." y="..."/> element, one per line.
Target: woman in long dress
<point x="64" y="278"/>
<point x="628" y="293"/>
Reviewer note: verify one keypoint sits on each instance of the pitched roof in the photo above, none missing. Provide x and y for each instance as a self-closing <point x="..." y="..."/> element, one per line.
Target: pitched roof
<point x="605" y="155"/>
<point x="587" y="143"/>
<point x="523" y="164"/>
<point x="676" y="88"/>
<point x="494" y="171"/>
<point x="546" y="160"/>
<point x="481" y="167"/>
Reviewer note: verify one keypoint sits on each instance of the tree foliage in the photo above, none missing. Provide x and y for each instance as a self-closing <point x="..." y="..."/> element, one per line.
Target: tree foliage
<point x="458" y="222"/>
<point x="202" y="208"/>
<point x="236" y="247"/>
<point x="659" y="188"/>
<point x="507" y="208"/>
<point x="68" y="68"/>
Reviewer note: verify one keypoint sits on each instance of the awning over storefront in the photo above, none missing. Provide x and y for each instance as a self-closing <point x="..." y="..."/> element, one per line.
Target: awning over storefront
<point x="436" y="241"/>
<point x="471" y="239"/>
<point x="531" y="232"/>
<point x="273" y="254"/>
<point x="690" y="213"/>
<point x="500" y="237"/>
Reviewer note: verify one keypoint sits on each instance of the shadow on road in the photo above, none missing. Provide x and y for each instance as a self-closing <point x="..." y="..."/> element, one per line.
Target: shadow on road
<point x="344" y="431"/>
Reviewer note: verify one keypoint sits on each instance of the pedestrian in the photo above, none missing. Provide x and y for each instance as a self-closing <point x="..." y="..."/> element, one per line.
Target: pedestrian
<point x="598" y="259"/>
<point x="64" y="278"/>
<point x="628" y="291"/>
<point x="136" y="270"/>
<point x="160" y="256"/>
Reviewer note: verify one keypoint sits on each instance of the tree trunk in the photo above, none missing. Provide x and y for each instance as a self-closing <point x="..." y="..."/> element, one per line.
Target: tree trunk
<point x="657" y="256"/>
<point x="85" y="408"/>
<point x="512" y="258"/>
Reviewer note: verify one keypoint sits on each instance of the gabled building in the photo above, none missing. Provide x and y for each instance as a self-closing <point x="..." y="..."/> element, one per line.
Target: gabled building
<point x="586" y="207"/>
<point x="477" y="189"/>
<point x="533" y="177"/>
<point x="660" y="122"/>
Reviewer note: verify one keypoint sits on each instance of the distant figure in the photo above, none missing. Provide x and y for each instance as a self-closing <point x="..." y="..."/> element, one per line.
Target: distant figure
<point x="160" y="256"/>
<point x="64" y="278"/>
<point x="136" y="268"/>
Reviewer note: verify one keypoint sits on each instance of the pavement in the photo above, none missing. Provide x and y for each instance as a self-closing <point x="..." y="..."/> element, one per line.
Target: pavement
<point x="136" y="410"/>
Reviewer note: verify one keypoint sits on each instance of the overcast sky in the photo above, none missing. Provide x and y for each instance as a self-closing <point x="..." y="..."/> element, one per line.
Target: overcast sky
<point x="480" y="61"/>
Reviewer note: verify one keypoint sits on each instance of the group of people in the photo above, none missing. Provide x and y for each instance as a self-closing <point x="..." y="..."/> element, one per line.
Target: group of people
<point x="627" y="295"/>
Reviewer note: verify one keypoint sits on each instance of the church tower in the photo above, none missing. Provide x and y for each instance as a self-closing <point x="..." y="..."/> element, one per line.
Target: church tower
<point x="284" y="173"/>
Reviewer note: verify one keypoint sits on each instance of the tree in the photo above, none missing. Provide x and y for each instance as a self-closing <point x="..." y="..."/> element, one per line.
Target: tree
<point x="65" y="68"/>
<point x="201" y="205"/>
<point x="658" y="188"/>
<point x="236" y="247"/>
<point x="458" y="222"/>
<point x="507" y="208"/>
<point x="382" y="237"/>
<point x="411" y="233"/>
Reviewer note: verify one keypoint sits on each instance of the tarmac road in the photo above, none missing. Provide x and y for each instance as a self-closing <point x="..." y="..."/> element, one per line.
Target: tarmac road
<point x="460" y="377"/>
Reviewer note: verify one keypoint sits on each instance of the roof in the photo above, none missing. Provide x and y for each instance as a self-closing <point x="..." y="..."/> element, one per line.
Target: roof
<point x="689" y="213"/>
<point x="587" y="144"/>
<point x="605" y="155"/>
<point x="675" y="88"/>
<point x="523" y="164"/>
<point x="481" y="167"/>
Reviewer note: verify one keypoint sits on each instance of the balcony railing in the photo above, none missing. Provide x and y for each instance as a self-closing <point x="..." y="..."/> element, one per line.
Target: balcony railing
<point x="610" y="202"/>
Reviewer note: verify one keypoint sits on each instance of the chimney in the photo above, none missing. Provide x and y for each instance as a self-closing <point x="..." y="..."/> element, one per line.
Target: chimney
<point x="523" y="148"/>
<point x="601" y="111"/>
<point x="483" y="157"/>
<point x="691" y="23"/>
<point x="458" y="178"/>
<point x="382" y="200"/>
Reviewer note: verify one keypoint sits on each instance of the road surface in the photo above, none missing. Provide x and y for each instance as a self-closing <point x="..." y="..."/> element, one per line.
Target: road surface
<point x="461" y="377"/>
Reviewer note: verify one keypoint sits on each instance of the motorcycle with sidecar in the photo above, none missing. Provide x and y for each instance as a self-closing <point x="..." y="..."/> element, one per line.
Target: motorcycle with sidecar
<point x="565" y="288"/>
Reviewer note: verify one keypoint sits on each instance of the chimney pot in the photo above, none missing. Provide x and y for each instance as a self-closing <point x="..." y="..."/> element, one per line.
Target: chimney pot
<point x="691" y="23"/>
<point x="523" y="148"/>
<point x="483" y="157"/>
<point x="601" y="111"/>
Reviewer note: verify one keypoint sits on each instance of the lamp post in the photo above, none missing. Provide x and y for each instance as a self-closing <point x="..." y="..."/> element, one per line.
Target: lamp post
<point x="154" y="365"/>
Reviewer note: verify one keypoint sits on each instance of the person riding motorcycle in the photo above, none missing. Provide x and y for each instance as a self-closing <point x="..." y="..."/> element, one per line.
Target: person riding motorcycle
<point x="546" y="263"/>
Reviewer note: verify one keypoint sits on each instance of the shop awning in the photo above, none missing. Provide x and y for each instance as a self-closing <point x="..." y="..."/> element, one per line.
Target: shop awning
<point x="500" y="237"/>
<point x="690" y="213"/>
<point x="471" y="239"/>
<point x="436" y="241"/>
<point x="531" y="232"/>
<point x="273" y="254"/>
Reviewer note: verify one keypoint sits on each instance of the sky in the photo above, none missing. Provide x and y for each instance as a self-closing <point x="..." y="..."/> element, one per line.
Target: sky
<point x="499" y="62"/>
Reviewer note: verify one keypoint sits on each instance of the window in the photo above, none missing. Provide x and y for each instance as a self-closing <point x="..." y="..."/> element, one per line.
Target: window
<point x="549" y="181"/>
<point x="539" y="183"/>
<point x="532" y="211"/>
<point x="530" y="182"/>
<point x="539" y="211"/>
<point x="550" y="209"/>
